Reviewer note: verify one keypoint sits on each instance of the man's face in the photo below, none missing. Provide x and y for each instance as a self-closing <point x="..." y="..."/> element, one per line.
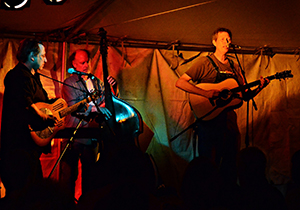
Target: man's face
<point x="221" y="42"/>
<point x="81" y="62"/>
<point x="40" y="59"/>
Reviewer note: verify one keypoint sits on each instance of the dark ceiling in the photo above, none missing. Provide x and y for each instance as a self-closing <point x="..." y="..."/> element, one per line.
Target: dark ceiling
<point x="188" y="24"/>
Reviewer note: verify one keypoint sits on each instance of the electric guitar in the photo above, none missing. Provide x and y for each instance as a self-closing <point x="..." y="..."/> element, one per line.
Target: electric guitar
<point x="230" y="96"/>
<point x="42" y="134"/>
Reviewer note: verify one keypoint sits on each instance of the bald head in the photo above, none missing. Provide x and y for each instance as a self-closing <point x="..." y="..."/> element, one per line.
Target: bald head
<point x="80" y="60"/>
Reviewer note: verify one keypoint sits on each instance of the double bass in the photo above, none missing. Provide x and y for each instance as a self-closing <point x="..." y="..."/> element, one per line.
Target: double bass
<point x="126" y="123"/>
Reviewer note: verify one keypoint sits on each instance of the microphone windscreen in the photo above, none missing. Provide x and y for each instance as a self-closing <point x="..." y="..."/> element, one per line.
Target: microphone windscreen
<point x="71" y="71"/>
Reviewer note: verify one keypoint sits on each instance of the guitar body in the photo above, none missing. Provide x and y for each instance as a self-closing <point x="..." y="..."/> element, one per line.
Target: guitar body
<point x="230" y="96"/>
<point x="42" y="135"/>
<point x="207" y="109"/>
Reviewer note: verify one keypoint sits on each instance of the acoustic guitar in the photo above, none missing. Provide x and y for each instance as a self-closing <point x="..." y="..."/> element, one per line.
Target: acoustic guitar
<point x="230" y="96"/>
<point x="42" y="134"/>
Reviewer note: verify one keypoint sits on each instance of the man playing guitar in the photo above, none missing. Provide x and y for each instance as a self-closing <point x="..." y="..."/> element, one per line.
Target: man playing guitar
<point x="218" y="138"/>
<point x="20" y="164"/>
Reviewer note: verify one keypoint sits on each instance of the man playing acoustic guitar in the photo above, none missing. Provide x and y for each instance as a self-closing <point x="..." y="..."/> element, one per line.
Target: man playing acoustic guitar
<point x="218" y="138"/>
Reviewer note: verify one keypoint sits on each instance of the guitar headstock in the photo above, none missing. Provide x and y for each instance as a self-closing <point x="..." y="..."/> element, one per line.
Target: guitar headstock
<point x="283" y="74"/>
<point x="103" y="41"/>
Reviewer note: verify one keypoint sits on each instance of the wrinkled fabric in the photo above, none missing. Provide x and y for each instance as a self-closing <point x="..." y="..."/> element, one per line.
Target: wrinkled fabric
<point x="146" y="80"/>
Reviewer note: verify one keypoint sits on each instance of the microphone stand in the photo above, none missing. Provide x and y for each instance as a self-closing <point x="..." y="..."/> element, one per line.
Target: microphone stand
<point x="58" y="81"/>
<point x="71" y="140"/>
<point x="194" y="123"/>
<point x="253" y="102"/>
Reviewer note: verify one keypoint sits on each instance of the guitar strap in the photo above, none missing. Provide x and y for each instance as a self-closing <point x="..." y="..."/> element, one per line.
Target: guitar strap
<point x="218" y="79"/>
<point x="213" y="63"/>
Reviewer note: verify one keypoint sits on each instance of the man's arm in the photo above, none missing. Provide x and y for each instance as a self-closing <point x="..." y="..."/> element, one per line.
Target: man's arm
<point x="184" y="84"/>
<point x="263" y="83"/>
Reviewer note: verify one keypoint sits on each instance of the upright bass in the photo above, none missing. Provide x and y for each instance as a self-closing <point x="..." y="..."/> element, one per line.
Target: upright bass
<point x="126" y="122"/>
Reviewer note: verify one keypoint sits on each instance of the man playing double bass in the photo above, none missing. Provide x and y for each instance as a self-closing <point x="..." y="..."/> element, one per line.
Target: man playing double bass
<point x="85" y="149"/>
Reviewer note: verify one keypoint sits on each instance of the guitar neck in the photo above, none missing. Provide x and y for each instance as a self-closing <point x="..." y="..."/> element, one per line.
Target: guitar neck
<point x="74" y="107"/>
<point x="252" y="84"/>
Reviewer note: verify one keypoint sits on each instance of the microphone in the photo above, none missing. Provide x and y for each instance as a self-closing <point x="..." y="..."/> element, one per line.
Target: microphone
<point x="73" y="71"/>
<point x="230" y="45"/>
<point x="234" y="46"/>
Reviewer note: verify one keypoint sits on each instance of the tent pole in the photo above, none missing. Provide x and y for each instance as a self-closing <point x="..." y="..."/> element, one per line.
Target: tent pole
<point x="64" y="65"/>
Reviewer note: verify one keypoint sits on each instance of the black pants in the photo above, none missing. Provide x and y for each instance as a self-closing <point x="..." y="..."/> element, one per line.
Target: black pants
<point x="20" y="168"/>
<point x="219" y="140"/>
<point x="69" y="165"/>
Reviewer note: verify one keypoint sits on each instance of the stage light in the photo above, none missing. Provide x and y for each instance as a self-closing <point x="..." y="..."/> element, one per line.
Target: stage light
<point x="55" y="2"/>
<point x="14" y="4"/>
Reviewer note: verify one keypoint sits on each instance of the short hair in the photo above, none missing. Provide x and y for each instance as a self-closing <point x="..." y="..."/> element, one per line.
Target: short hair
<point x="215" y="33"/>
<point x="26" y="47"/>
<point x="72" y="56"/>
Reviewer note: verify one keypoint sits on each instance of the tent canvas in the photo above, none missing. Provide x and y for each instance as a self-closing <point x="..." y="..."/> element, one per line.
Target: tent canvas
<point x="147" y="72"/>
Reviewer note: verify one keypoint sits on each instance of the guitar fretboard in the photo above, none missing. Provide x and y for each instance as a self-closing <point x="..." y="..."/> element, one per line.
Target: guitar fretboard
<point x="74" y="107"/>
<point x="280" y="75"/>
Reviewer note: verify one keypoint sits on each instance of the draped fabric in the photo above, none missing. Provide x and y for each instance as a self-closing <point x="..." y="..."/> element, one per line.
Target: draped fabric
<point x="146" y="79"/>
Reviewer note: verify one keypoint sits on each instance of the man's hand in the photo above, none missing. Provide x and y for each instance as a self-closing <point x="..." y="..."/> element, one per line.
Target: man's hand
<point x="106" y="113"/>
<point x="211" y="94"/>
<point x="249" y="94"/>
<point x="112" y="81"/>
<point x="263" y="82"/>
<point x="48" y="119"/>
<point x="114" y="85"/>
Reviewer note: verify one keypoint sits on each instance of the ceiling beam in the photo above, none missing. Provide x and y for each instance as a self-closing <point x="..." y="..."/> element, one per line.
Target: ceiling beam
<point x="154" y="44"/>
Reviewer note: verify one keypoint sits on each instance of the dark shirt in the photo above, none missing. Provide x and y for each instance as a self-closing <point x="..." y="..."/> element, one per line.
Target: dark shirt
<point x="217" y="138"/>
<point x="203" y="71"/>
<point x="77" y="94"/>
<point x="22" y="89"/>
